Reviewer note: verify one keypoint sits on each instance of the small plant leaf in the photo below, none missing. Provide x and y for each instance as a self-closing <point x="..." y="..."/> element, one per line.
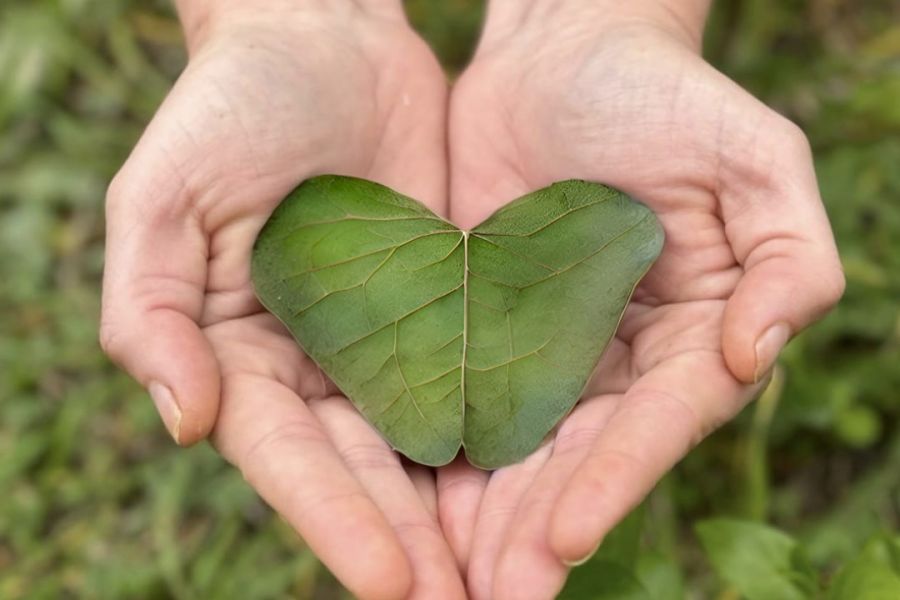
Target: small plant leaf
<point x="612" y="572"/>
<point x="873" y="575"/>
<point x="762" y="563"/>
<point x="444" y="338"/>
<point x="603" y="580"/>
<point x="622" y="544"/>
<point x="661" y="576"/>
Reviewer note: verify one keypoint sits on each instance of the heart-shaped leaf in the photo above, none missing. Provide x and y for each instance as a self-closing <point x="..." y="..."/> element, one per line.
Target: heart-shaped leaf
<point x="442" y="337"/>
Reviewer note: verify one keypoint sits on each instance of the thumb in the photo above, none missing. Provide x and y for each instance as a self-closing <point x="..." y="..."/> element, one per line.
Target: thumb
<point x="153" y="294"/>
<point x="780" y="234"/>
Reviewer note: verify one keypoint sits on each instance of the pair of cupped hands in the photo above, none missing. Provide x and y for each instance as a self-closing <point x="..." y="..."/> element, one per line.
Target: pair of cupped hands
<point x="279" y="91"/>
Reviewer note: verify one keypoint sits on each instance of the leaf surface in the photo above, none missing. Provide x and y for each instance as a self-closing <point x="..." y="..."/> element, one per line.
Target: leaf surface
<point x="762" y="563"/>
<point x="444" y="338"/>
<point x="873" y="575"/>
<point x="603" y="580"/>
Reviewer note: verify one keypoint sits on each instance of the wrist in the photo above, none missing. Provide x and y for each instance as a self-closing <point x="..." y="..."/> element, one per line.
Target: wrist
<point x="196" y="18"/>
<point x="688" y="15"/>
<point x="199" y="18"/>
<point x="685" y="19"/>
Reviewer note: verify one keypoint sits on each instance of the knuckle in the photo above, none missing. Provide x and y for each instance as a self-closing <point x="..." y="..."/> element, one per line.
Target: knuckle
<point x="785" y="152"/>
<point x="158" y="195"/>
<point x="309" y="505"/>
<point x="575" y="439"/>
<point x="115" y="189"/>
<point x="498" y="512"/>
<point x="607" y="469"/>
<point x="116" y="193"/>
<point x="415" y="527"/>
<point x="539" y="502"/>
<point x="110" y="340"/>
<point x="617" y="461"/>
<point x="282" y="440"/>
<point x="369" y="456"/>
<point x="676" y="413"/>
<point x="773" y="156"/>
<point x="462" y="484"/>
<point x="834" y="283"/>
<point x="793" y="138"/>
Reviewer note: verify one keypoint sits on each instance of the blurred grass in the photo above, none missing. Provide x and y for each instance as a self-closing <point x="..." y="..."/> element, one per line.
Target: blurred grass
<point x="97" y="502"/>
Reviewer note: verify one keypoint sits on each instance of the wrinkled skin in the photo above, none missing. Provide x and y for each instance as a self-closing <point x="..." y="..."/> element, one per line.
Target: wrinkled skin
<point x="267" y="100"/>
<point x="557" y="90"/>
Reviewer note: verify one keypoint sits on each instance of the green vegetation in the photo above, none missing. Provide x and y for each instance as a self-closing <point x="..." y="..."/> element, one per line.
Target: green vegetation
<point x="98" y="503"/>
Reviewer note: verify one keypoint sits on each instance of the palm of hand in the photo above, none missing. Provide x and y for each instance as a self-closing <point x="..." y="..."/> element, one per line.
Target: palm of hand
<point x="636" y="108"/>
<point x="259" y="108"/>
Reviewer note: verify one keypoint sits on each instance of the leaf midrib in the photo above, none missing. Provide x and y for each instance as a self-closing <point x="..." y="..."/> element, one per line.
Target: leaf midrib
<point x="465" y="236"/>
<point x="465" y="338"/>
<point x="533" y="267"/>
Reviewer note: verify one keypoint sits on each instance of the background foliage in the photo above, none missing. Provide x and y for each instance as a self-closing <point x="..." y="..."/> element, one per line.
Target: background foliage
<point x="98" y="503"/>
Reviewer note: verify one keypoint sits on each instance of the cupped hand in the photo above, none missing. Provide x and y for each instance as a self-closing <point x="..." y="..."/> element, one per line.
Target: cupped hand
<point x="617" y="93"/>
<point x="275" y="93"/>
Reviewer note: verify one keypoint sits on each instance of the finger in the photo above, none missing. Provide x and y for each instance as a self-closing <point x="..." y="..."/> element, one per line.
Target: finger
<point x="379" y="471"/>
<point x="423" y="481"/>
<point x="658" y="420"/>
<point x="153" y="291"/>
<point x="501" y="500"/>
<point x="460" y="487"/>
<point x="614" y="373"/>
<point x="413" y="154"/>
<point x="527" y="567"/>
<point x="284" y="453"/>
<point x="780" y="235"/>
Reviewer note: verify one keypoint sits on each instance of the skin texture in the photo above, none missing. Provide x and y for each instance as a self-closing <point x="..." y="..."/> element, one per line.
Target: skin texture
<point x="578" y="89"/>
<point x="609" y="91"/>
<point x="270" y="97"/>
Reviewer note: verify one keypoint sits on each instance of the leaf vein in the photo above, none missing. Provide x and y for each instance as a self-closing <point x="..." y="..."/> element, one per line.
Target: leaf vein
<point x="408" y="390"/>
<point x="552" y="221"/>
<point x="517" y="254"/>
<point x="346" y="218"/>
<point x="400" y="318"/>
<point x="592" y="254"/>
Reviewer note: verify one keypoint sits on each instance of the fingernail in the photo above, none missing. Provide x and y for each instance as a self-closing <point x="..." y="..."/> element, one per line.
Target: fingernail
<point x="167" y="407"/>
<point x="768" y="346"/>
<point x="580" y="561"/>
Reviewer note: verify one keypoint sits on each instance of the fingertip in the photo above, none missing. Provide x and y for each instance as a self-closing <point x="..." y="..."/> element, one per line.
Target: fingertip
<point x="375" y="568"/>
<point x="768" y="347"/>
<point x="350" y="535"/>
<point x="570" y="541"/>
<point x="166" y="352"/>
<point x="179" y="355"/>
<point x="167" y="407"/>
<point x="776" y="298"/>
<point x="751" y="309"/>
<point x="597" y="498"/>
<point x="528" y="573"/>
<point x="768" y="306"/>
<point x="384" y="574"/>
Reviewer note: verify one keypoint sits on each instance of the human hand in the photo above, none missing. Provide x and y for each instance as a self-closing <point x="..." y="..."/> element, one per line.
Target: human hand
<point x="618" y="93"/>
<point x="274" y="93"/>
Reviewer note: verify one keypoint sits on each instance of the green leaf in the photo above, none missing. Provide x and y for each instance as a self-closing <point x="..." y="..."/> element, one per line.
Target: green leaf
<point x="622" y="544"/>
<point x="441" y="337"/>
<point x="603" y="580"/>
<point x="661" y="576"/>
<point x="762" y="563"/>
<point x="611" y="573"/>
<point x="871" y="576"/>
